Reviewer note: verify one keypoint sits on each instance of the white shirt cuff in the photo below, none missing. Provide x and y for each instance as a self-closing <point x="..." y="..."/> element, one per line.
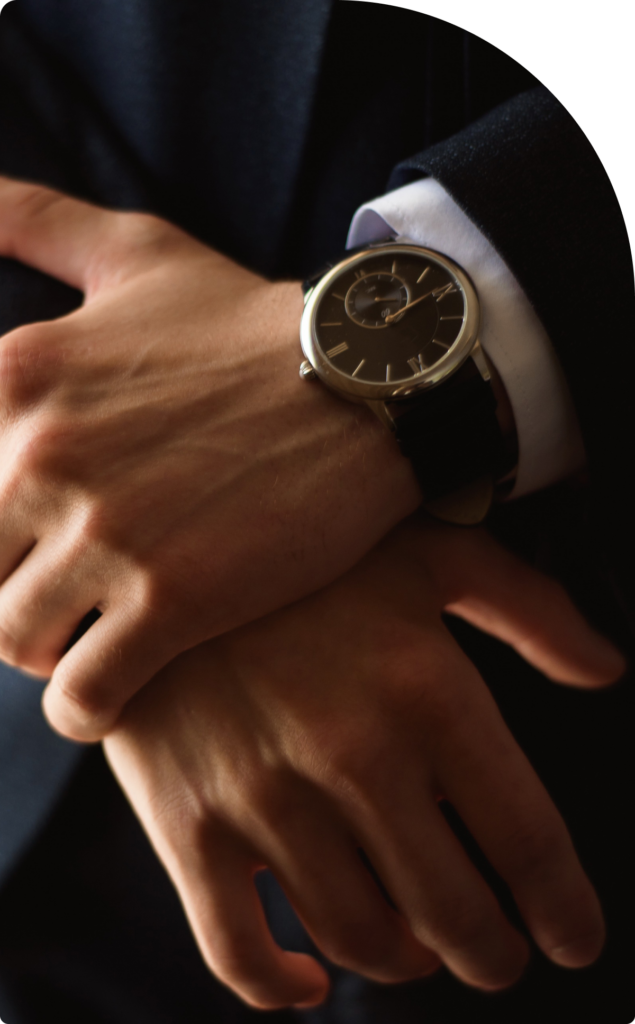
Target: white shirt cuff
<point x="549" y="439"/>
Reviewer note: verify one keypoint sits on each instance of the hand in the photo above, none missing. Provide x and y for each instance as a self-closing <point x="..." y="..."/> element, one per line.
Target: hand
<point x="338" y="723"/>
<point x="160" y="458"/>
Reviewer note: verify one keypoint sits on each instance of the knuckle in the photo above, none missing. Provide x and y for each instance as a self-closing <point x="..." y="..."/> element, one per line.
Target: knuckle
<point x="87" y="704"/>
<point x="21" y="651"/>
<point x="13" y="650"/>
<point x="90" y="525"/>
<point x="143" y="232"/>
<point x="153" y="599"/>
<point x="38" y="449"/>
<point x="30" y="360"/>
<point x="159" y="591"/>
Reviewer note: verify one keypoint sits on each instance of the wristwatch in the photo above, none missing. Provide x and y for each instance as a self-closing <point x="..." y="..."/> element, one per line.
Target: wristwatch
<point x="395" y="325"/>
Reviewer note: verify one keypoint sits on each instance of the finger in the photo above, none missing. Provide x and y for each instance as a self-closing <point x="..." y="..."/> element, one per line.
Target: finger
<point x="212" y="868"/>
<point x="503" y="596"/>
<point x="41" y="605"/>
<point x="77" y="242"/>
<point x="492" y="785"/>
<point x="214" y="879"/>
<point x="339" y="903"/>
<point x="50" y="231"/>
<point x="446" y="901"/>
<point x="116" y="656"/>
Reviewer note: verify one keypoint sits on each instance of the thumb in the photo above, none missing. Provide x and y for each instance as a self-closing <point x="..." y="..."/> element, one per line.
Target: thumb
<point x="508" y="599"/>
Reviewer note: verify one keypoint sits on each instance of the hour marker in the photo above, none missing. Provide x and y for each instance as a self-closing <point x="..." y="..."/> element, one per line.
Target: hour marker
<point x="422" y="275"/>
<point x="416" y="364"/>
<point x="443" y="290"/>
<point x="388" y="369"/>
<point x="359" y="273"/>
<point x="338" y="323"/>
<point x="358" y="368"/>
<point x="336" y="296"/>
<point x="337" y="351"/>
<point x="443" y="344"/>
<point x="459" y="317"/>
<point x="394" y="266"/>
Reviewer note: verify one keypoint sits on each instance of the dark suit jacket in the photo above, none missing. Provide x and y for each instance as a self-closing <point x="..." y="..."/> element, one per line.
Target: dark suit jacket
<point x="260" y="128"/>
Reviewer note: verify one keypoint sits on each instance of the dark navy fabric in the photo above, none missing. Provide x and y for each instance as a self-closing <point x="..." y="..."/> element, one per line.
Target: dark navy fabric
<point x="260" y="127"/>
<point x="35" y="765"/>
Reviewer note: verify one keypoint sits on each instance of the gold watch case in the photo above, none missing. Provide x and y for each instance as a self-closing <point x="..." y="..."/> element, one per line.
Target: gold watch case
<point x="377" y="393"/>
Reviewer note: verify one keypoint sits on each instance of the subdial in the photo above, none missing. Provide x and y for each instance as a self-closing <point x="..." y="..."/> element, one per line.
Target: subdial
<point x="374" y="297"/>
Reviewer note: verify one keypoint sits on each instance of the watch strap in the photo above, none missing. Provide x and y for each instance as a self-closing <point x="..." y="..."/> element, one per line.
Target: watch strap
<point x="451" y="434"/>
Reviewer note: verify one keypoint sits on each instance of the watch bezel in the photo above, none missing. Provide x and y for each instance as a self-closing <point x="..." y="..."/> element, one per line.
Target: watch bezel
<point x="379" y="391"/>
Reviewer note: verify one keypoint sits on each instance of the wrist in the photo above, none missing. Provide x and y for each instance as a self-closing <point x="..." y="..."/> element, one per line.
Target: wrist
<point x="366" y="466"/>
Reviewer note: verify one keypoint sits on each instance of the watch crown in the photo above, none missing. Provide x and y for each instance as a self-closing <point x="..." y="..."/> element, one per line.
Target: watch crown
<point x="306" y="370"/>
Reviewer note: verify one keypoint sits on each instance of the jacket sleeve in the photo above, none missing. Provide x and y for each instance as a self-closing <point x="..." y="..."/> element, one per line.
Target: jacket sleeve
<point x="530" y="180"/>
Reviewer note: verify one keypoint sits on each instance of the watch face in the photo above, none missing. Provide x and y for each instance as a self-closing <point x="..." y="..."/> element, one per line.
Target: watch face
<point x="390" y="316"/>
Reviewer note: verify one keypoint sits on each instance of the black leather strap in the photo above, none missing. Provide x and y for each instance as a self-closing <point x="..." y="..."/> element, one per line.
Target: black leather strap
<point x="451" y="434"/>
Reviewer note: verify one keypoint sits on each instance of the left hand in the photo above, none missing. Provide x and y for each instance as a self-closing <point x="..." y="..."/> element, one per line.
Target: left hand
<point x="160" y="458"/>
<point x="338" y="723"/>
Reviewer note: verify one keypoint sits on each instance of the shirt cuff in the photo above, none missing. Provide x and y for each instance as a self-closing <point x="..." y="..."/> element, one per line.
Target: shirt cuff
<point x="549" y="439"/>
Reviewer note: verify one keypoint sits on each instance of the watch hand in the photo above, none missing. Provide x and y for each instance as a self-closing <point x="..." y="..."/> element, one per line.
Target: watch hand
<point x="393" y="316"/>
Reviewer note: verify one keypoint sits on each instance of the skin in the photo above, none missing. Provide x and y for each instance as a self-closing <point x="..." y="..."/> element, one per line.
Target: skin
<point x="339" y="723"/>
<point x="177" y="378"/>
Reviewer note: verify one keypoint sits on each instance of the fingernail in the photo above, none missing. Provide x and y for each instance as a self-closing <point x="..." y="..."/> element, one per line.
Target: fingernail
<point x="581" y="952"/>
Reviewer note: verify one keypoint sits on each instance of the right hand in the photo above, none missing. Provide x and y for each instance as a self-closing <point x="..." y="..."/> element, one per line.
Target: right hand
<point x="339" y="723"/>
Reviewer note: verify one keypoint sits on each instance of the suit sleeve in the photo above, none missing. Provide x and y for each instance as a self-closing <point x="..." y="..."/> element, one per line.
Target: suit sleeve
<point x="528" y="178"/>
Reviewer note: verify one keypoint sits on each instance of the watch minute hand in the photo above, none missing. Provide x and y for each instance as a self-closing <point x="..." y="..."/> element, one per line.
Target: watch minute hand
<point x="393" y="316"/>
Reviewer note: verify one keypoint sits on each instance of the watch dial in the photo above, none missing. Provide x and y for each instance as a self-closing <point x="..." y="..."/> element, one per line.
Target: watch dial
<point x="390" y="317"/>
